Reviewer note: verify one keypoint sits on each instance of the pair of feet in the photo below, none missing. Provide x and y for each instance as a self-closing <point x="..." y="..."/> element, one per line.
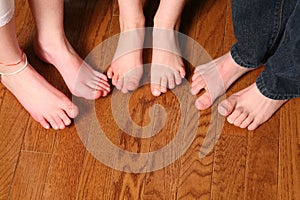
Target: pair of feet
<point x="247" y="108"/>
<point x="46" y="104"/>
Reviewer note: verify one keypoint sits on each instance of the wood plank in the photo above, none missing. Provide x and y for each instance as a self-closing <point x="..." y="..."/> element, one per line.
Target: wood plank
<point x="196" y="174"/>
<point x="289" y="151"/>
<point x="30" y="176"/>
<point x="231" y="150"/>
<point x="12" y="125"/>
<point x="155" y="186"/>
<point x="262" y="159"/>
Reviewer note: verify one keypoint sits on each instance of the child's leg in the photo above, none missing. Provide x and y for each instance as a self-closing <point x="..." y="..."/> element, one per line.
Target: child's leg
<point x="126" y="71"/>
<point x="45" y="104"/>
<point x="280" y="81"/>
<point x="258" y="27"/>
<point x="52" y="46"/>
<point x="167" y="17"/>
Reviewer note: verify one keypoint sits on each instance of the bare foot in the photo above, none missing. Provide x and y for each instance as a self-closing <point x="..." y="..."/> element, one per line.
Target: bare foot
<point x="45" y="103"/>
<point x="167" y="68"/>
<point x="126" y="69"/>
<point x="249" y="108"/>
<point x="223" y="71"/>
<point x="81" y="79"/>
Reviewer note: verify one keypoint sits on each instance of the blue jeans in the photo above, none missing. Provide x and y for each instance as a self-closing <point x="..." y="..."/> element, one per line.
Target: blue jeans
<point x="268" y="32"/>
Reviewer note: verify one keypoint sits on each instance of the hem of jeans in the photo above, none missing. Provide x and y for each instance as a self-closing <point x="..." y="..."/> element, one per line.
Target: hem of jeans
<point x="264" y="90"/>
<point x="239" y="60"/>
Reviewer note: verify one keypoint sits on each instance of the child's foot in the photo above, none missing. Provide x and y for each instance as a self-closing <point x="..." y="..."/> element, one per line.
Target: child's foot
<point x="126" y="70"/>
<point x="249" y="108"/>
<point x="45" y="103"/>
<point x="81" y="79"/>
<point x="167" y="68"/>
<point x="228" y="72"/>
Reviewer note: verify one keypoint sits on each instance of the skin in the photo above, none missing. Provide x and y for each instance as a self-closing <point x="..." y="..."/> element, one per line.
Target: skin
<point x="127" y="71"/>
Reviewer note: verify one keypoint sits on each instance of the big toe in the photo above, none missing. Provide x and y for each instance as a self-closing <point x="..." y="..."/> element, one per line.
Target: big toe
<point x="204" y="101"/>
<point x="226" y="107"/>
<point x="71" y="110"/>
<point x="155" y="89"/>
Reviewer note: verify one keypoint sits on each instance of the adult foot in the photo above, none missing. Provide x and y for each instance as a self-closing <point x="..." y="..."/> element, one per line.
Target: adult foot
<point x="81" y="79"/>
<point x="126" y="69"/>
<point x="167" y="69"/>
<point x="249" y="108"/>
<point x="46" y="104"/>
<point x="222" y="72"/>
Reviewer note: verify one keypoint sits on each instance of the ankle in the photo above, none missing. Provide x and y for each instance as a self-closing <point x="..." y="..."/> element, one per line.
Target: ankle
<point x="166" y="23"/>
<point x="132" y="22"/>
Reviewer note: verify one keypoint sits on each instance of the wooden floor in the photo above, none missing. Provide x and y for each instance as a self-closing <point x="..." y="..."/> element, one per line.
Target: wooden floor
<point x="39" y="164"/>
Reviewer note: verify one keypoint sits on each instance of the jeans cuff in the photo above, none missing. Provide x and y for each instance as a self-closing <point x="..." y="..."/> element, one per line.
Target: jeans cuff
<point x="266" y="91"/>
<point x="239" y="59"/>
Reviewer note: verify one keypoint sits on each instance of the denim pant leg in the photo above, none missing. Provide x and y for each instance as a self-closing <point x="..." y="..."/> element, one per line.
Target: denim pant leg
<point x="281" y="78"/>
<point x="258" y="28"/>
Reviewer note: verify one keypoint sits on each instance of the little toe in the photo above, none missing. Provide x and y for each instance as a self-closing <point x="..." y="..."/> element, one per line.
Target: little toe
<point x="256" y="122"/>
<point x="204" y="101"/>
<point x="182" y="72"/>
<point x="120" y="83"/>
<point x="226" y="107"/>
<point x="236" y="113"/>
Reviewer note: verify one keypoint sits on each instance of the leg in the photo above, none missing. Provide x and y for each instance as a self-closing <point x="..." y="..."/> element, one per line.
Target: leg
<point x="126" y="71"/>
<point x="80" y="78"/>
<point x="45" y="104"/>
<point x="279" y="82"/>
<point x="167" y="17"/>
<point x="258" y="27"/>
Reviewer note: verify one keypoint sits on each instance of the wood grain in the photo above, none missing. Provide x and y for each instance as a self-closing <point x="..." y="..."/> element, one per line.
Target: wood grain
<point x="289" y="151"/>
<point x="30" y="176"/>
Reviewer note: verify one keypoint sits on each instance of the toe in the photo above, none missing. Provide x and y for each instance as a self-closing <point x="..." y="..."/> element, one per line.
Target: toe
<point x="246" y="122"/>
<point x="178" y="78"/>
<point x="182" y="72"/>
<point x="115" y="79"/>
<point x="110" y="73"/>
<point x="171" y="81"/>
<point x="196" y="75"/>
<point x="52" y="122"/>
<point x="236" y="113"/>
<point x="163" y="84"/>
<point x="197" y="86"/>
<point x="240" y="119"/>
<point x="59" y="122"/>
<point x="100" y="75"/>
<point x="71" y="109"/>
<point x="226" y="107"/>
<point x="43" y="122"/>
<point x="204" y="101"/>
<point x="120" y="83"/>
<point x="67" y="121"/>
